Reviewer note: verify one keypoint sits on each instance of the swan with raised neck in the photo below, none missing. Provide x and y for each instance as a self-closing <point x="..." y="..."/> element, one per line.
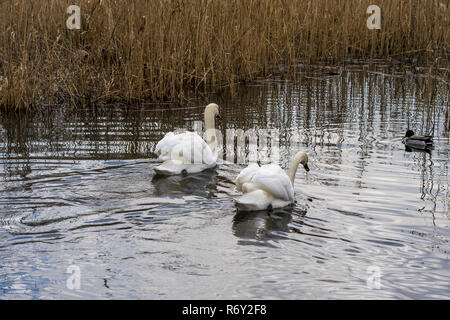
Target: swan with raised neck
<point x="211" y="113"/>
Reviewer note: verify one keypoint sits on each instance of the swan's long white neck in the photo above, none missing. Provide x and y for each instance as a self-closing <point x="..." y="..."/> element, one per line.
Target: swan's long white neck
<point x="210" y="128"/>
<point x="299" y="157"/>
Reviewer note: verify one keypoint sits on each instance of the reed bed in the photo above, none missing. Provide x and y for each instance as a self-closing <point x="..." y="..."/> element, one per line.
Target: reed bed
<point x="158" y="50"/>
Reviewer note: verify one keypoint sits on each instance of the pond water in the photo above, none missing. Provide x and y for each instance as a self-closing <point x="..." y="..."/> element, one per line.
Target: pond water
<point x="79" y="199"/>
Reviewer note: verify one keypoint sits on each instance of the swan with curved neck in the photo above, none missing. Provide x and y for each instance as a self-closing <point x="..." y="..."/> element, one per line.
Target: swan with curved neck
<point x="187" y="152"/>
<point x="300" y="158"/>
<point x="268" y="186"/>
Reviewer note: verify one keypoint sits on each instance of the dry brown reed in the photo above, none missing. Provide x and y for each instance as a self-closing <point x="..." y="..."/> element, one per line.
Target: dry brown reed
<point x="159" y="49"/>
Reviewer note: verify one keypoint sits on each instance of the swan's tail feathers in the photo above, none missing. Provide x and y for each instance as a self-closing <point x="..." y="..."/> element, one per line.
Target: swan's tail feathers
<point x="254" y="201"/>
<point x="260" y="200"/>
<point x="174" y="167"/>
<point x="246" y="176"/>
<point x="169" y="167"/>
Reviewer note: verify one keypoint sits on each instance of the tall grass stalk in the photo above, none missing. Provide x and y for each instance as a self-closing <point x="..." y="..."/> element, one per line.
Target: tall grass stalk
<point x="159" y="49"/>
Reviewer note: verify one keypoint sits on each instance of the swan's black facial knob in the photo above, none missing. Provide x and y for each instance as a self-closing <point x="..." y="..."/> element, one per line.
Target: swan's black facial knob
<point x="306" y="167"/>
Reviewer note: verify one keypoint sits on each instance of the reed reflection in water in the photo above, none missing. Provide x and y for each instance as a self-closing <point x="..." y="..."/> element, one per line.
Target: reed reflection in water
<point x="77" y="188"/>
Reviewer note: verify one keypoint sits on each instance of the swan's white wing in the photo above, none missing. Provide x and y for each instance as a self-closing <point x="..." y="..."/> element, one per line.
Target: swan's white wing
<point x="187" y="147"/>
<point x="271" y="178"/>
<point x="246" y="175"/>
<point x="163" y="147"/>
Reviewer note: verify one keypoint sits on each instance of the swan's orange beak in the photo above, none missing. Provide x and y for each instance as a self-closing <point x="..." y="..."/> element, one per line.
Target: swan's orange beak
<point x="219" y="116"/>
<point x="306" y="167"/>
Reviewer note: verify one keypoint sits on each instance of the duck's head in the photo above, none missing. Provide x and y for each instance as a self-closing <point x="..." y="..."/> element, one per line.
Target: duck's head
<point x="408" y="134"/>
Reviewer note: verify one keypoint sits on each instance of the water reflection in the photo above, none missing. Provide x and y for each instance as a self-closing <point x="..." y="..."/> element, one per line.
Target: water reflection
<point x="202" y="184"/>
<point x="78" y="185"/>
<point x="424" y="150"/>
<point x="260" y="224"/>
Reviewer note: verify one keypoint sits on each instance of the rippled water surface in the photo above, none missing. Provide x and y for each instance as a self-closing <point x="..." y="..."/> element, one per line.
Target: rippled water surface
<point x="77" y="188"/>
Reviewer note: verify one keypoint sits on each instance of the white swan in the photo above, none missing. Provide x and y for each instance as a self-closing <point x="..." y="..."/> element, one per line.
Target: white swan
<point x="268" y="186"/>
<point x="187" y="152"/>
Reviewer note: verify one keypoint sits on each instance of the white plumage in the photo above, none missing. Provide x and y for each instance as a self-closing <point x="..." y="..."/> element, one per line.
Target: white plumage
<point x="270" y="178"/>
<point x="268" y="186"/>
<point x="184" y="151"/>
<point x="187" y="152"/>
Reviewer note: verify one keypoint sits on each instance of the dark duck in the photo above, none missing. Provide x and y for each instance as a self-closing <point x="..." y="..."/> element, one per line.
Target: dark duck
<point x="416" y="141"/>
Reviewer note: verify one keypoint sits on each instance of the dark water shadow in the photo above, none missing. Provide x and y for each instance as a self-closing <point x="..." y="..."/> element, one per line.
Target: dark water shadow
<point x="201" y="184"/>
<point x="261" y="225"/>
<point x="424" y="150"/>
